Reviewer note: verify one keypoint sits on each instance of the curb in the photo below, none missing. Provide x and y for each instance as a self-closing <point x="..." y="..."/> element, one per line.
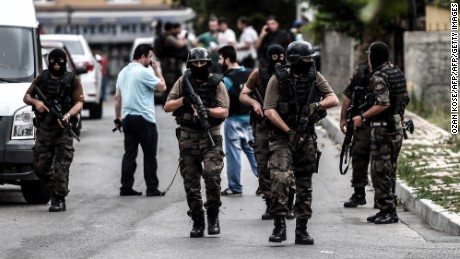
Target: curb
<point x="434" y="215"/>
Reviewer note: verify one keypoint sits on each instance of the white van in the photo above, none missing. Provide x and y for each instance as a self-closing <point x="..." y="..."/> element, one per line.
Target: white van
<point x="20" y="63"/>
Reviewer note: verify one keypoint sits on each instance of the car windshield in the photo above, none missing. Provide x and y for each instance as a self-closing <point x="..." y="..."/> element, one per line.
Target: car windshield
<point x="16" y="54"/>
<point x="74" y="47"/>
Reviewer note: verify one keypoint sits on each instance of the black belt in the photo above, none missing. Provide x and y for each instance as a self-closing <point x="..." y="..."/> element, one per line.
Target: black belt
<point x="379" y="124"/>
<point x="186" y="134"/>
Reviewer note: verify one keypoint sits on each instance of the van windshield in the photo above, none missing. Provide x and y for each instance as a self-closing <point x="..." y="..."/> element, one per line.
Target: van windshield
<point x="16" y="54"/>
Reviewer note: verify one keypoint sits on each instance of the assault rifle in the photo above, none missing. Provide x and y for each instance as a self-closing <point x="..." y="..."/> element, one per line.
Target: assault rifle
<point x="303" y="120"/>
<point x="346" y="147"/>
<point x="202" y="114"/>
<point x="255" y="94"/>
<point x="56" y="109"/>
<point x="408" y="126"/>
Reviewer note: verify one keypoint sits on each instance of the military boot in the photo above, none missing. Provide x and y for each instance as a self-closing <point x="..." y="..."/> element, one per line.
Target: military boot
<point x="267" y="215"/>
<point x="279" y="233"/>
<point x="387" y="217"/>
<point x="198" y="225"/>
<point x="290" y="204"/>
<point x="301" y="235"/>
<point x="357" y="198"/>
<point x="374" y="217"/>
<point x="57" y="203"/>
<point x="213" y="221"/>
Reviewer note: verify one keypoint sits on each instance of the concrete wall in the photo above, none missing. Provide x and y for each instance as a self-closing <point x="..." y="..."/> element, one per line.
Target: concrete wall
<point x="337" y="60"/>
<point x="427" y="66"/>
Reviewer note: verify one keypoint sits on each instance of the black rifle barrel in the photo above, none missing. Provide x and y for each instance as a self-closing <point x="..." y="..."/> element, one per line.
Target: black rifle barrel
<point x="203" y="117"/>
<point x="56" y="109"/>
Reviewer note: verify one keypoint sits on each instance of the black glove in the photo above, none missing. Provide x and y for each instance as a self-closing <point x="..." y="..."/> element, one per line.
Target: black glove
<point x="203" y="112"/>
<point x="313" y="108"/>
<point x="118" y="125"/>
<point x="187" y="100"/>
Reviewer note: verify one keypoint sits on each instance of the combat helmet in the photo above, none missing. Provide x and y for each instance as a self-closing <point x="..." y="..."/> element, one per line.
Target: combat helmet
<point x="298" y="50"/>
<point x="197" y="54"/>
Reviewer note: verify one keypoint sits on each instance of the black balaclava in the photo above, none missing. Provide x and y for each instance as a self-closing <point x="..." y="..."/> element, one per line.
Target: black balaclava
<point x="57" y="54"/>
<point x="278" y="50"/>
<point x="301" y="67"/>
<point x="200" y="73"/>
<point x="379" y="54"/>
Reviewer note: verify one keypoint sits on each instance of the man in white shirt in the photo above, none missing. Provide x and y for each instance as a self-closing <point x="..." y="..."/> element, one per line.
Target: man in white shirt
<point x="246" y="52"/>
<point x="226" y="35"/>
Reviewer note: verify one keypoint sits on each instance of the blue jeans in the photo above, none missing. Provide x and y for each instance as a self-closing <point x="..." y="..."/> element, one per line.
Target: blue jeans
<point x="237" y="138"/>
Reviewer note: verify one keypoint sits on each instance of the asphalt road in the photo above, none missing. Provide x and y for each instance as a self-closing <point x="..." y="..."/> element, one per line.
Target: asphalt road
<point x="99" y="223"/>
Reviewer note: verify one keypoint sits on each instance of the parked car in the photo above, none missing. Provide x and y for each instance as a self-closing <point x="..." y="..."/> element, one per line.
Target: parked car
<point x="48" y="47"/>
<point x="159" y="98"/>
<point x="82" y="56"/>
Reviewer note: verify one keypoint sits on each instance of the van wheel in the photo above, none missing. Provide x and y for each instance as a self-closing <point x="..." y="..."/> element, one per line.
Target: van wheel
<point x="95" y="111"/>
<point x="35" y="192"/>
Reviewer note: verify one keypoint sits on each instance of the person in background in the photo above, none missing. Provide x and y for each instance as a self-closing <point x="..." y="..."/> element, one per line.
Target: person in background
<point x="270" y="34"/>
<point x="238" y="131"/>
<point x="226" y="35"/>
<point x="135" y="103"/>
<point x="209" y="41"/>
<point x="246" y="52"/>
<point x="296" y="30"/>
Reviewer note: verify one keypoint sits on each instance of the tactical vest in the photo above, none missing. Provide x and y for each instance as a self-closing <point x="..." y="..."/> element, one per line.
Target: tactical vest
<point x="59" y="90"/>
<point x="294" y="96"/>
<point x="207" y="92"/>
<point x="399" y="97"/>
<point x="264" y="78"/>
<point x="359" y="85"/>
<point x="239" y="78"/>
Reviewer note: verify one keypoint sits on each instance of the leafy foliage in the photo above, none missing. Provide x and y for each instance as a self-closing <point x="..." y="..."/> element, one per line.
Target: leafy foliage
<point x="360" y="19"/>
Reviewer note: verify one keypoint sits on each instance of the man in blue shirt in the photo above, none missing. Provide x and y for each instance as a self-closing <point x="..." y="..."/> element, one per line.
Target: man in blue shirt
<point x="238" y="130"/>
<point x="135" y="96"/>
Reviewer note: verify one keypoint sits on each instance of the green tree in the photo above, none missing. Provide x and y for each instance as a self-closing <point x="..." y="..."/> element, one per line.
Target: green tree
<point x="365" y="20"/>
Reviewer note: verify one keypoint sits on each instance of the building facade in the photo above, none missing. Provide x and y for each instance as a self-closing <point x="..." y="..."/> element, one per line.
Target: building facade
<point x="109" y="26"/>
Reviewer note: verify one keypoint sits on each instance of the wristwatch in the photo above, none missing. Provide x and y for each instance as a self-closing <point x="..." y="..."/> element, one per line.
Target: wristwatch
<point x="362" y="117"/>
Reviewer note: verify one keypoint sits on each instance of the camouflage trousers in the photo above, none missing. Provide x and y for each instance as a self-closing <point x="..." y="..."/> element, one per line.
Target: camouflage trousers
<point x="198" y="159"/>
<point x="283" y="171"/>
<point x="53" y="154"/>
<point x="385" y="147"/>
<point x="361" y="154"/>
<point x="261" y="149"/>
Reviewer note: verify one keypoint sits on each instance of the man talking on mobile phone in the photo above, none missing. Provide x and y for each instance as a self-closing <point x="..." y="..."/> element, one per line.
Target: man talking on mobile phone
<point x="135" y="114"/>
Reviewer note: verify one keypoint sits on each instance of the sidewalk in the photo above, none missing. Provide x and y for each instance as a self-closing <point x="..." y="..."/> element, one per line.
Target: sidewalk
<point x="427" y="152"/>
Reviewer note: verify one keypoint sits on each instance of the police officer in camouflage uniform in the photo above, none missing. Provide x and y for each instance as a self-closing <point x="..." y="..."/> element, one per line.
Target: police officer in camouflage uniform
<point x="198" y="158"/>
<point x="257" y="82"/>
<point x="54" y="151"/>
<point x="285" y="99"/>
<point x="387" y="89"/>
<point x="354" y="94"/>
